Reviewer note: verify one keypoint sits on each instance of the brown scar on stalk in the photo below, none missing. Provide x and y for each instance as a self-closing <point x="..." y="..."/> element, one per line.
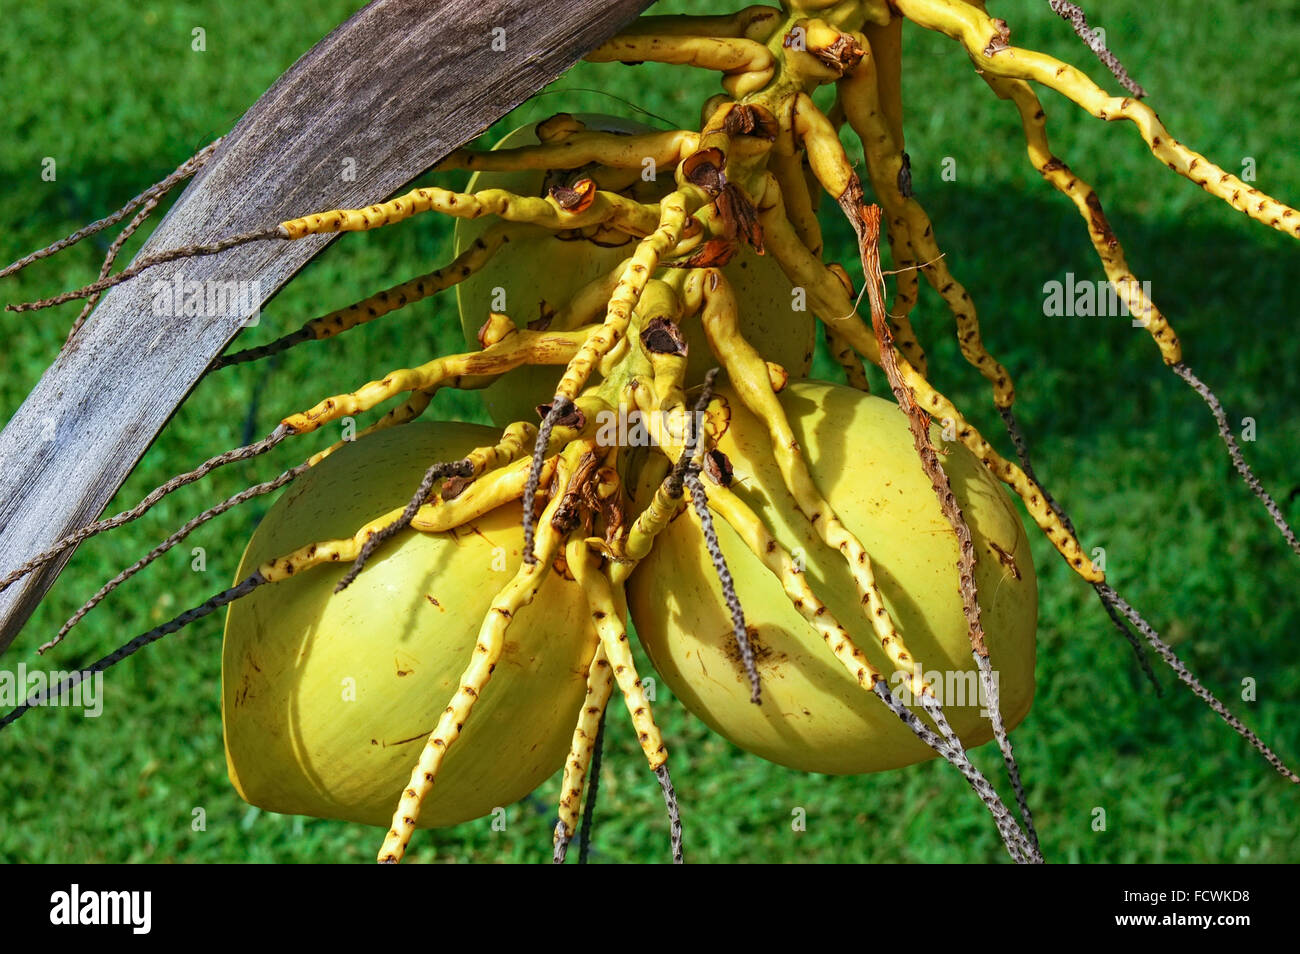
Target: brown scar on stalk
<point x="1006" y="559"/>
<point x="575" y="198"/>
<point x="866" y="222"/>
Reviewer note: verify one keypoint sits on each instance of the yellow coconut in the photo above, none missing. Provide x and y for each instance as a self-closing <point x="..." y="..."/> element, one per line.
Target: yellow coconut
<point x="327" y="699"/>
<point x="813" y="715"/>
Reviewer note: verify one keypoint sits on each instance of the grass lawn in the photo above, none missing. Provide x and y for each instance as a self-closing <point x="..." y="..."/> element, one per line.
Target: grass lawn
<point x="119" y="98"/>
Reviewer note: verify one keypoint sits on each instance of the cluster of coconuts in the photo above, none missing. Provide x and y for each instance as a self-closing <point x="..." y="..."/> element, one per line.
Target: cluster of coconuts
<point x="327" y="699"/>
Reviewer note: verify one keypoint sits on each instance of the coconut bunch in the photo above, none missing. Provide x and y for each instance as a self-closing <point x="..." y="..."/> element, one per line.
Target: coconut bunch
<point x="434" y="617"/>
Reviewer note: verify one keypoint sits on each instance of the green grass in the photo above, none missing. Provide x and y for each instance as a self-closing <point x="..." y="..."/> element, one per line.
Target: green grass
<point x="119" y="99"/>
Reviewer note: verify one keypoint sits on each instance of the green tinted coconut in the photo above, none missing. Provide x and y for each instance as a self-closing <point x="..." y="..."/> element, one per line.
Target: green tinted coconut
<point x="534" y="276"/>
<point x="814" y="716"/>
<point x="327" y="699"/>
